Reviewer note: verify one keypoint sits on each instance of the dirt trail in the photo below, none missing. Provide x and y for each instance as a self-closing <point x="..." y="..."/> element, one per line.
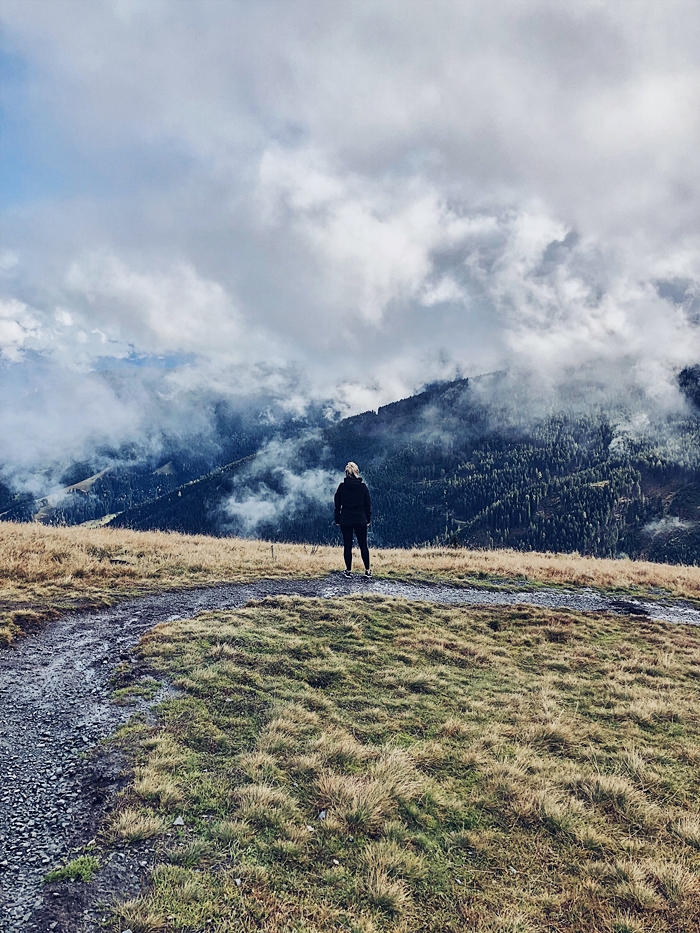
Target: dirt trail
<point x="55" y="707"/>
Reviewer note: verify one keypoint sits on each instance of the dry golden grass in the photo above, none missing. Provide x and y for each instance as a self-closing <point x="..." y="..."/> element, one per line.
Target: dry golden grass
<point x="232" y="833"/>
<point x="135" y="916"/>
<point x="688" y="829"/>
<point x="45" y="570"/>
<point x="150" y="784"/>
<point x="394" y="859"/>
<point x="389" y="895"/>
<point x="265" y="804"/>
<point x="136" y="825"/>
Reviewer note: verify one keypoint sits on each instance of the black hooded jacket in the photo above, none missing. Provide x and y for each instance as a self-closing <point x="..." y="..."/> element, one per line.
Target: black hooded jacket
<point x="353" y="505"/>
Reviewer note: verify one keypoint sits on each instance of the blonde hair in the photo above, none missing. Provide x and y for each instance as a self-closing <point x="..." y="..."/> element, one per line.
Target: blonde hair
<point x="352" y="469"/>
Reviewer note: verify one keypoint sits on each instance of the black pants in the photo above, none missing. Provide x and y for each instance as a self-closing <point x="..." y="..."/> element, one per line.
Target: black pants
<point x="361" y="533"/>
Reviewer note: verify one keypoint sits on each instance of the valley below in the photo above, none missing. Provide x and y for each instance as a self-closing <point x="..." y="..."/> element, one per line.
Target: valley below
<point x="470" y="463"/>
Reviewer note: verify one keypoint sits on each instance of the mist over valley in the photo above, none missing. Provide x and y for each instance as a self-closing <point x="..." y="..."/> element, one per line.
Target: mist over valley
<point x="476" y="463"/>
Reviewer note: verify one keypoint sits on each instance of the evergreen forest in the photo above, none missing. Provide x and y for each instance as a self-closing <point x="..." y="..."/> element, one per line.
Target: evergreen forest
<point x="450" y="466"/>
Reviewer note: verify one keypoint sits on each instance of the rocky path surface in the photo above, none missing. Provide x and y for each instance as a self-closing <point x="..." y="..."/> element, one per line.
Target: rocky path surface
<point x="55" y="707"/>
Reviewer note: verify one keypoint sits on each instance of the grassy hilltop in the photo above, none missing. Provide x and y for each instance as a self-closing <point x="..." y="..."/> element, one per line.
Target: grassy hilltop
<point x="379" y="766"/>
<point x="375" y="765"/>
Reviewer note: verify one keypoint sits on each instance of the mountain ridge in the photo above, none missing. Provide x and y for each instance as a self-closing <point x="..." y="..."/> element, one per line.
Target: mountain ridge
<point x="441" y="473"/>
<point x="469" y="462"/>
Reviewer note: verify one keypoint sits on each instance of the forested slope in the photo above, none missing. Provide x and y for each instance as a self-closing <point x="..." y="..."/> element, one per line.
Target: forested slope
<point x="561" y="484"/>
<point x="443" y="469"/>
<point x="471" y="463"/>
<point x="193" y="508"/>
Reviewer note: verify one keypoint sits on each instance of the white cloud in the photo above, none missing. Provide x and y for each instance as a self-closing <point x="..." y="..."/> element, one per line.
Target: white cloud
<point x="371" y="243"/>
<point x="60" y="414"/>
<point x="64" y="317"/>
<point x="163" y="312"/>
<point x="667" y="525"/>
<point x="8" y="263"/>
<point x="259" y="502"/>
<point x="345" y="201"/>
<point x="18" y="329"/>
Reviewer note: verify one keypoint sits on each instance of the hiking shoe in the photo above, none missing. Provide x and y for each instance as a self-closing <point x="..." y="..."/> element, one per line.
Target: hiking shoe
<point x="368" y="573"/>
<point x="347" y="574"/>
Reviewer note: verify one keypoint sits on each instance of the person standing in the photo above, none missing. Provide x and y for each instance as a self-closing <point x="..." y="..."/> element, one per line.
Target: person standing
<point x="353" y="512"/>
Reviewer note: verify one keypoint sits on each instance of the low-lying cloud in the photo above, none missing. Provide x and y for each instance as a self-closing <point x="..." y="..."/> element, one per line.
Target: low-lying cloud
<point x="667" y="525"/>
<point x="273" y="488"/>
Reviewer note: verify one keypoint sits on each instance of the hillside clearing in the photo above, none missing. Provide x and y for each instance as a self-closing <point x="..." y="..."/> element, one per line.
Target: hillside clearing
<point x="45" y="570"/>
<point x="376" y="765"/>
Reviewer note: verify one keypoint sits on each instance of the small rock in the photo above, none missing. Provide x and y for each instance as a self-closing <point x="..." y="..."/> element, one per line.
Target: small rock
<point x="237" y="881"/>
<point x="322" y="815"/>
<point x="336" y="862"/>
<point x="178" y="821"/>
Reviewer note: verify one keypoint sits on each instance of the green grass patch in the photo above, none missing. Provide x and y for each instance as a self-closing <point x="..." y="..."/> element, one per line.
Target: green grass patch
<point x="144" y="689"/>
<point x="80" y="869"/>
<point x="367" y="764"/>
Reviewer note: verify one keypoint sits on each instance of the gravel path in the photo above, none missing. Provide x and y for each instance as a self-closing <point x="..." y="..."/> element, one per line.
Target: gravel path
<point x="55" y="707"/>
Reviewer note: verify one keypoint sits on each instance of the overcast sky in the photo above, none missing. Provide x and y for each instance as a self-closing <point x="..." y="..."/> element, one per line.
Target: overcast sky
<point x="337" y="200"/>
